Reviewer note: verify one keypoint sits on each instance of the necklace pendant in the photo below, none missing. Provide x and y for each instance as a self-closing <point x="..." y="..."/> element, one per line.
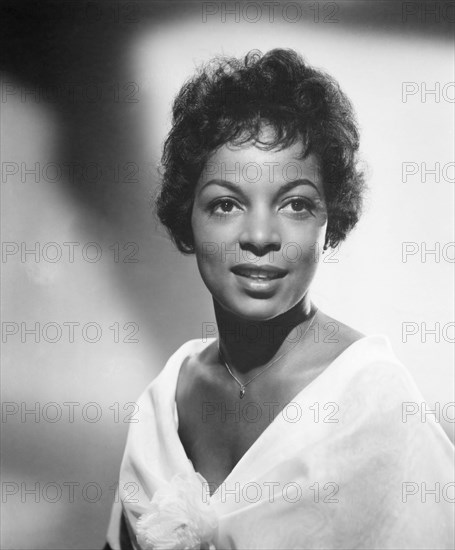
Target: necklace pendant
<point x="242" y="391"/>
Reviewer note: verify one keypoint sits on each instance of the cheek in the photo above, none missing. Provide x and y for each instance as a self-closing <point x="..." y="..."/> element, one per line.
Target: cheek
<point x="208" y="256"/>
<point x="302" y="249"/>
<point x="202" y="238"/>
<point x="307" y="239"/>
<point x="195" y="223"/>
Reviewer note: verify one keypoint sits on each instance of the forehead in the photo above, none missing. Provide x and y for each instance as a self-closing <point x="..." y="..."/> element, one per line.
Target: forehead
<point x="252" y="163"/>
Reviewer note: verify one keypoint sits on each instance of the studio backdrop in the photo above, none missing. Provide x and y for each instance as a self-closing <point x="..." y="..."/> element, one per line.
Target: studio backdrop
<point x="96" y="297"/>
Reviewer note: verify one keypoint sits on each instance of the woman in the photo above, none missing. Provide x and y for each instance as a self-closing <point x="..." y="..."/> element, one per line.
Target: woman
<point x="288" y="430"/>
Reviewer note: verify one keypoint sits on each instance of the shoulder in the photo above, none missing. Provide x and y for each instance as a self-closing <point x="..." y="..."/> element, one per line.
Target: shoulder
<point x="177" y="362"/>
<point x="331" y="338"/>
<point x="194" y="366"/>
<point x="187" y="352"/>
<point x="367" y="361"/>
<point x="368" y="372"/>
<point x="345" y="334"/>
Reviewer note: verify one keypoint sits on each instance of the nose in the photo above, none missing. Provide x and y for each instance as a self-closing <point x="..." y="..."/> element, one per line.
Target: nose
<point x="260" y="233"/>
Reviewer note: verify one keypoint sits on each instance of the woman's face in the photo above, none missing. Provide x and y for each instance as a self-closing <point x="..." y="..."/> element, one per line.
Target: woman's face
<point x="259" y="222"/>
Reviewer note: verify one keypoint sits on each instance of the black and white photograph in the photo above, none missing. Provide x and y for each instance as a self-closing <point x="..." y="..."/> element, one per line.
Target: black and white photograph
<point x="227" y="274"/>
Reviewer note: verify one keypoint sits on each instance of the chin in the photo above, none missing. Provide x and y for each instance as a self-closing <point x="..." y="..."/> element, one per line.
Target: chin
<point x="255" y="309"/>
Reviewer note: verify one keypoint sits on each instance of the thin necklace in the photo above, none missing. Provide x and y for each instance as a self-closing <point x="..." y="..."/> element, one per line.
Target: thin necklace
<point x="244" y="385"/>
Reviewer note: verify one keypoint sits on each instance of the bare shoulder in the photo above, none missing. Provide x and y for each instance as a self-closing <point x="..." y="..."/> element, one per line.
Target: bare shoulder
<point x="345" y="333"/>
<point x="333" y="337"/>
<point x="197" y="373"/>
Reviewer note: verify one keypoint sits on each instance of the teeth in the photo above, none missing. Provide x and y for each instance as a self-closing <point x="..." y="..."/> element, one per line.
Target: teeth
<point x="262" y="277"/>
<point x="258" y="276"/>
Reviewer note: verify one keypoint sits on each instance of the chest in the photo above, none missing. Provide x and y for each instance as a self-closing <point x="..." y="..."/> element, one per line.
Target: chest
<point x="217" y="433"/>
<point x="217" y="428"/>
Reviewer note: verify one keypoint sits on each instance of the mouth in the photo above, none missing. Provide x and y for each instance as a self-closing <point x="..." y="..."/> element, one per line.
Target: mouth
<point x="259" y="273"/>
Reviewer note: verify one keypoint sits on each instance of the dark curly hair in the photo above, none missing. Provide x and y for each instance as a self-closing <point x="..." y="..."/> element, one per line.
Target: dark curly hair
<point x="229" y="101"/>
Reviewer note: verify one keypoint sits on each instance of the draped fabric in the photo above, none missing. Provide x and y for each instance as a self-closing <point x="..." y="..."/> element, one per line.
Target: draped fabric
<point x="369" y="472"/>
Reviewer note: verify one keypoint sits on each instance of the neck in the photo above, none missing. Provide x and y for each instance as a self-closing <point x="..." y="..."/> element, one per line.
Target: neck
<point x="247" y="345"/>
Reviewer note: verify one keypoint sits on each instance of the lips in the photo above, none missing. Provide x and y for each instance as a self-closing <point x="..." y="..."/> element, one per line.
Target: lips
<point x="259" y="273"/>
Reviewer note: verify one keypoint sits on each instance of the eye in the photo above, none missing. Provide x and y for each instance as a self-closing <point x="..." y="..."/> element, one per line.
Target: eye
<point x="223" y="206"/>
<point x="297" y="204"/>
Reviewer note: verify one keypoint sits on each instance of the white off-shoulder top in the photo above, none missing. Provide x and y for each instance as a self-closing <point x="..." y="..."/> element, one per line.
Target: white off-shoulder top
<point x="377" y="474"/>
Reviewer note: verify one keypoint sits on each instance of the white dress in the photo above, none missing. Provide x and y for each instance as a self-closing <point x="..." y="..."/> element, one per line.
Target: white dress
<point x="349" y="463"/>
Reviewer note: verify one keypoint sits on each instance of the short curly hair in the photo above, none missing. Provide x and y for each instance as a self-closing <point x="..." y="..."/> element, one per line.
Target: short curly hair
<point x="229" y="100"/>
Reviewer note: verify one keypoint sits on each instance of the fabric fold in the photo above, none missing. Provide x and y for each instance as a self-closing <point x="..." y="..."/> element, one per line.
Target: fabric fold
<point x="357" y="476"/>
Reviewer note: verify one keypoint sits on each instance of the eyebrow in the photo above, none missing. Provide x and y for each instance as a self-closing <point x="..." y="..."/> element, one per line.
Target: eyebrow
<point x="238" y="189"/>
